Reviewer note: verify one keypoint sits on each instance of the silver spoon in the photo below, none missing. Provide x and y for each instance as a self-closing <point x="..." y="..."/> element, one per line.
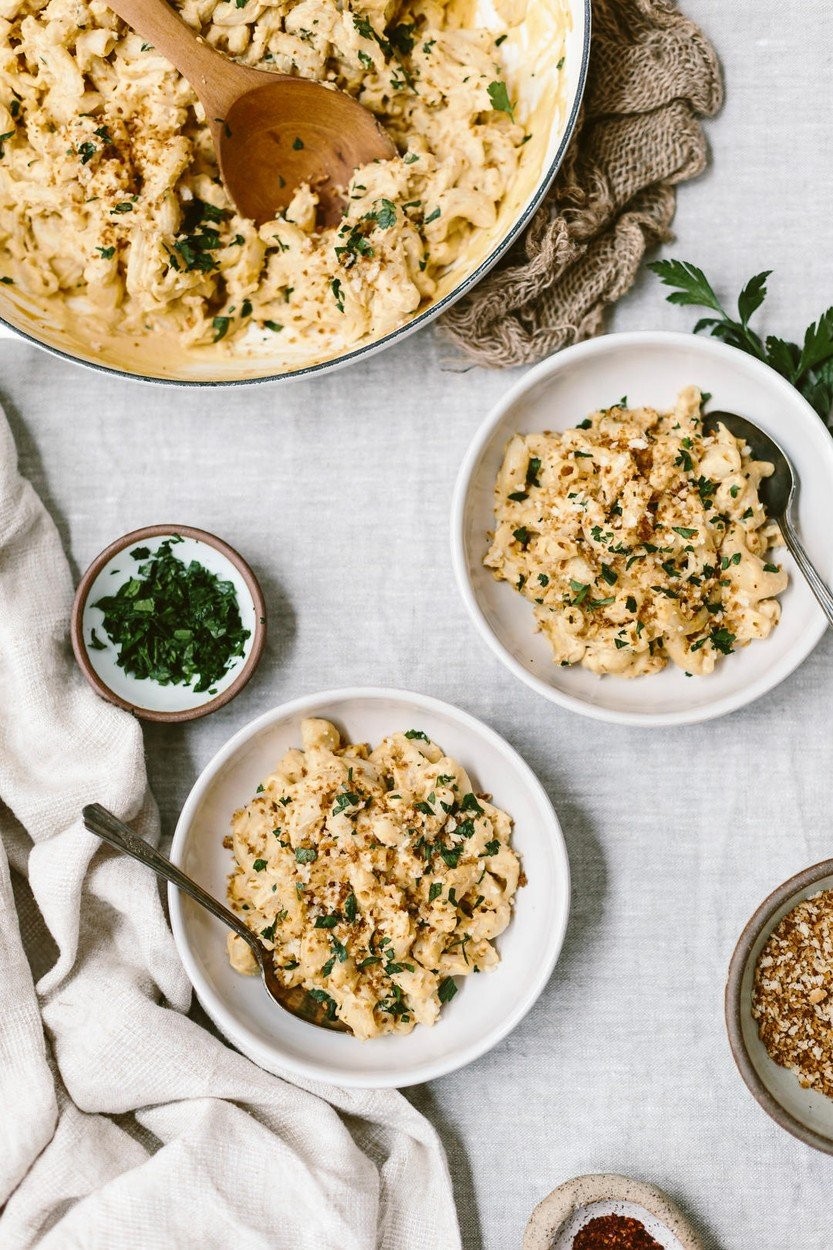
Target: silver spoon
<point x="296" y="1000"/>
<point x="777" y="493"/>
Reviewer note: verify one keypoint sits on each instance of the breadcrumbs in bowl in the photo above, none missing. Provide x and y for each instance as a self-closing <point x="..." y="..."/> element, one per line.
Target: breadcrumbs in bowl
<point x="793" y="995"/>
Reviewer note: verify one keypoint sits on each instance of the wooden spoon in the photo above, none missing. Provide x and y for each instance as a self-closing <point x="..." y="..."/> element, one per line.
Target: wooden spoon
<point x="271" y="132"/>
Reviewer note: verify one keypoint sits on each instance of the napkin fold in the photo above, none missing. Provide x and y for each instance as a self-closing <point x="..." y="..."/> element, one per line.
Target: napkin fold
<point x="124" y="1123"/>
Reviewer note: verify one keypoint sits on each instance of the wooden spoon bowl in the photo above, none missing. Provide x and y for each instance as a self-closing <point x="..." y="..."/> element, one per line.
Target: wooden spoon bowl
<point x="272" y="132"/>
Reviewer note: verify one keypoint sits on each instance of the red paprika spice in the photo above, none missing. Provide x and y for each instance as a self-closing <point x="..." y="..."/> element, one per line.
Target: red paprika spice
<point x="614" y="1232"/>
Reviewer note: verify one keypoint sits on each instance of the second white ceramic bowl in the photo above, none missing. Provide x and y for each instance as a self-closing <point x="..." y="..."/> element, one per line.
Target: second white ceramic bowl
<point x="649" y="368"/>
<point x="485" y="1008"/>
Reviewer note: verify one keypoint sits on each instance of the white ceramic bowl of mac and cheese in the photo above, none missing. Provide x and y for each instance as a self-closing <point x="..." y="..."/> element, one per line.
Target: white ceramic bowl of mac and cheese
<point x="485" y="1007"/>
<point x="650" y="369"/>
<point x="119" y="247"/>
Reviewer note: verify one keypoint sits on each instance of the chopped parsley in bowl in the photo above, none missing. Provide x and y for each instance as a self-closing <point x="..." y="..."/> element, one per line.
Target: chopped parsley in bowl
<point x="168" y="622"/>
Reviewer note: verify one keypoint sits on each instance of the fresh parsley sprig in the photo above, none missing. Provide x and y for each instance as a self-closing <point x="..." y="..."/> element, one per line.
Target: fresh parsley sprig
<point x="809" y="368"/>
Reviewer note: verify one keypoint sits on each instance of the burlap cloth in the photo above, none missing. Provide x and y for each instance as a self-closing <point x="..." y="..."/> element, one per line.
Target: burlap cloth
<point x="652" y="75"/>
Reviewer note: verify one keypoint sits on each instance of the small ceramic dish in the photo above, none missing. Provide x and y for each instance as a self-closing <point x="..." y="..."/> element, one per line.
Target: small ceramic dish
<point x="805" y="1113"/>
<point x="563" y="1213"/>
<point x="485" y="1007"/>
<point x="145" y="698"/>
<point x="649" y="368"/>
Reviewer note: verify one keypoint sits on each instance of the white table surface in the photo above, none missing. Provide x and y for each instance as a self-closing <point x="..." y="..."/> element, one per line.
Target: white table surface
<point x="337" y="490"/>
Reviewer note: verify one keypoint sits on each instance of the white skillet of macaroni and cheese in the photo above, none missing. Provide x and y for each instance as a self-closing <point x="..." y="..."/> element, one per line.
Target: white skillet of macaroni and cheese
<point x="638" y="539"/>
<point x="375" y="876"/>
<point x="114" y="222"/>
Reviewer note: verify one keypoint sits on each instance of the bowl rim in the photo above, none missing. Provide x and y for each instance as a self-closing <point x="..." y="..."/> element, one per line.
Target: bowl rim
<point x="267" y="1056"/>
<point x="551" y="366"/>
<point x="81" y="651"/>
<point x="733" y="1014"/>
<point x="545" y="180"/>
<point x="553" y="1212"/>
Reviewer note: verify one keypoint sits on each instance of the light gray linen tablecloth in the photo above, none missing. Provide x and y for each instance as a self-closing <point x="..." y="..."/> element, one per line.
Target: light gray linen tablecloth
<point x="338" y="492"/>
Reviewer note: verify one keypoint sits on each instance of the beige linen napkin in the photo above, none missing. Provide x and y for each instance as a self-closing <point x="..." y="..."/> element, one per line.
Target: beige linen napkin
<point x="122" y="1122"/>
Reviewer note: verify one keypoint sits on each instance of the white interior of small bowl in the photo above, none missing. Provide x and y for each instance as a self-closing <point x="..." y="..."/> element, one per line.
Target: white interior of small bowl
<point x="809" y="1108"/>
<point x="649" y="369"/>
<point x="142" y="692"/>
<point x="631" y="1210"/>
<point x="485" y="1007"/>
<point x="545" y="95"/>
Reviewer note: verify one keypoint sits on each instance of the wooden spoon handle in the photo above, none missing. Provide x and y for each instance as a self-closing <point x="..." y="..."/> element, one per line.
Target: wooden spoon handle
<point x="215" y="79"/>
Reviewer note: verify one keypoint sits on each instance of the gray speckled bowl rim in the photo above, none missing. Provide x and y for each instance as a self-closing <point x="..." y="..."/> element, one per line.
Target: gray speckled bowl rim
<point x="550" y="1215"/>
<point x="545" y="181"/>
<point x="734" y="1007"/>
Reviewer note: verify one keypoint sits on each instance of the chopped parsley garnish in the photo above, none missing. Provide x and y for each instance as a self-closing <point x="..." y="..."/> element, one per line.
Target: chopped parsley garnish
<point x="338" y="293"/>
<point x="417" y="733"/>
<point x="350" y="908"/>
<point x="96" y="643"/>
<point x="499" y="97"/>
<point x="328" y="922"/>
<point x="297" y="144"/>
<point x="175" y="623"/>
<point x="344" y="800"/>
<point x="523" y="536"/>
<point x="221" y="325"/>
<point x="8" y="135"/>
<point x="86" y="151"/>
<point x="683" y="532"/>
<point x="771" y="568"/>
<point x="446" y="989"/>
<point x="259" y="865"/>
<point x="106" y="253"/>
<point x="269" y="931"/>
<point x="532" y="471"/>
<point x="320" y="996"/>
<point x="722" y="640"/>
<point x="305" y="854"/>
<point x="435" y="890"/>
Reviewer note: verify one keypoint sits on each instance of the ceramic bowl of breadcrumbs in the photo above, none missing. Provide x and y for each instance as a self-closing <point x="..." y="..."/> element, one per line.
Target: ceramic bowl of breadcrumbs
<point x="779" y="1005"/>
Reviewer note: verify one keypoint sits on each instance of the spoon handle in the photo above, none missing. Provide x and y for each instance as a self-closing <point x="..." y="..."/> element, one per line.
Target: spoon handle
<point x="113" y="831"/>
<point x="215" y="79"/>
<point x="814" y="581"/>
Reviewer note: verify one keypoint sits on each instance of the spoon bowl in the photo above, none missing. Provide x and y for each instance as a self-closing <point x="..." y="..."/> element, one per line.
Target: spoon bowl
<point x="295" y="999"/>
<point x="777" y="493"/>
<point x="288" y="131"/>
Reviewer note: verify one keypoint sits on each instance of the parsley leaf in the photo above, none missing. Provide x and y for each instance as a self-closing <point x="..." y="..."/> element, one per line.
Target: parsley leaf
<point x="809" y="368"/>
<point x="499" y="98"/>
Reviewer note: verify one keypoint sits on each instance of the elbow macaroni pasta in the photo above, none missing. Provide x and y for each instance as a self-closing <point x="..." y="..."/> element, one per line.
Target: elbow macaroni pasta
<point x="639" y="539"/>
<point x="375" y="877"/>
<point x="110" y="196"/>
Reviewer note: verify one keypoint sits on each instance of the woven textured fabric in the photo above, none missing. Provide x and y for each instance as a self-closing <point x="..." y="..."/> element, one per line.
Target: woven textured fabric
<point x="652" y="76"/>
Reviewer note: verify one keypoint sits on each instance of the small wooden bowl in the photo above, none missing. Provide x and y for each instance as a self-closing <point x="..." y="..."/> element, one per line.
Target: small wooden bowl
<point x="556" y="1220"/>
<point x="805" y="1113"/>
<point x="145" y="698"/>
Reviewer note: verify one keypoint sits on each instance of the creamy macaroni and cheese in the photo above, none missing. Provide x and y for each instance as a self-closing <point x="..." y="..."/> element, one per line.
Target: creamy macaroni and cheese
<point x="639" y="539"/>
<point x="110" y="196"/>
<point x="375" y="877"/>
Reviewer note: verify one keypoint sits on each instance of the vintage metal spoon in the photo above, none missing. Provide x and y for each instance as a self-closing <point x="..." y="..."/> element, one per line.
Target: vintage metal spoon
<point x="777" y="493"/>
<point x="296" y="1000"/>
<point x="271" y="131"/>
